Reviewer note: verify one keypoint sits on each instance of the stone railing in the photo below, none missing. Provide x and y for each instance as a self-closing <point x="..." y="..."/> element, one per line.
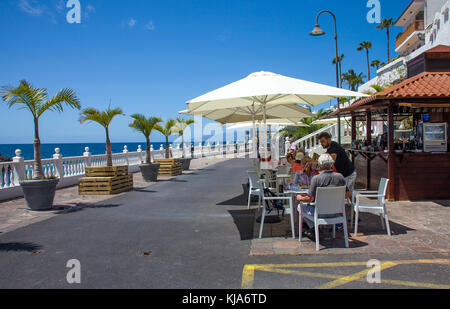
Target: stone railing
<point x="70" y="169"/>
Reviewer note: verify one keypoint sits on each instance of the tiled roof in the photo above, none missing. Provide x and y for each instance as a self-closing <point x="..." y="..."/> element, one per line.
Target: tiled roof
<point x="427" y="85"/>
<point x="424" y="85"/>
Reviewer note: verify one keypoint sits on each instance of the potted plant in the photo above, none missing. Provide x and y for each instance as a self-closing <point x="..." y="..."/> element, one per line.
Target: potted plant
<point x="146" y="126"/>
<point x="167" y="131"/>
<point x="104" y="119"/>
<point x="179" y="129"/>
<point x="39" y="191"/>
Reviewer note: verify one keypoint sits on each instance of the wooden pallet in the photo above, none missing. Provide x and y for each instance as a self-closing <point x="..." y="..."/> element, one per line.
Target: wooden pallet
<point x="105" y="185"/>
<point x="168" y="161"/>
<point x="106" y="171"/>
<point x="174" y="170"/>
<point x="169" y="167"/>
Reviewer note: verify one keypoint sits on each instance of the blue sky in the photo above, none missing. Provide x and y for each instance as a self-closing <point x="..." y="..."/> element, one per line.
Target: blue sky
<point x="152" y="56"/>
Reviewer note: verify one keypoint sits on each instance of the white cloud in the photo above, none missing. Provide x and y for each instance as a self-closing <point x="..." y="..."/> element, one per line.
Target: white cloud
<point x="150" y="26"/>
<point x="60" y="6"/>
<point x="132" y="22"/>
<point x="91" y="9"/>
<point x="31" y="7"/>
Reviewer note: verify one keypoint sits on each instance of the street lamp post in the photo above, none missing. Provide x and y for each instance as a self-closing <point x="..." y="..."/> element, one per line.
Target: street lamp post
<point x="317" y="31"/>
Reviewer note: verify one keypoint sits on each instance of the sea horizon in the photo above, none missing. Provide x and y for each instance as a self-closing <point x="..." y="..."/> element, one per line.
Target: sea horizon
<point x="77" y="149"/>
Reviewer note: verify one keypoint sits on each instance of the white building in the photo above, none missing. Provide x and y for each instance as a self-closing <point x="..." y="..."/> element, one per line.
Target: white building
<point x="425" y="25"/>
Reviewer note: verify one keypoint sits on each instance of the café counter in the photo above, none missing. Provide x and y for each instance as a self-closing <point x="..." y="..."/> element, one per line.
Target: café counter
<point x="415" y="175"/>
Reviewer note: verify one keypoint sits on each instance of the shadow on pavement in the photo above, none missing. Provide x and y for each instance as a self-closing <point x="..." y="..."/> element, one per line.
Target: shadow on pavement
<point x="371" y="225"/>
<point x="244" y="220"/>
<point x="66" y="209"/>
<point x="240" y="200"/>
<point x="144" y="190"/>
<point x="20" y="246"/>
<point x="444" y="203"/>
<point x="172" y="180"/>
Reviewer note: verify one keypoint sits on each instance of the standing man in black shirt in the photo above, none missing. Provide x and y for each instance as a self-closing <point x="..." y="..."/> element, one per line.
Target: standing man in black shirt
<point x="342" y="163"/>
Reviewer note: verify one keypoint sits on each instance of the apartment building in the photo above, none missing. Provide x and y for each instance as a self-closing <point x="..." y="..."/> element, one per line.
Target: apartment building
<point x="426" y="25"/>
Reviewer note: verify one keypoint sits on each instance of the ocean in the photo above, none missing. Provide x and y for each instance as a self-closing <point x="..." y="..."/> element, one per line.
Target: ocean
<point x="73" y="150"/>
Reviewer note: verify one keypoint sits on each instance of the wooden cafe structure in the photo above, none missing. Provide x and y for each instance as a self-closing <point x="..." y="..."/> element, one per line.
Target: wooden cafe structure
<point x="416" y="172"/>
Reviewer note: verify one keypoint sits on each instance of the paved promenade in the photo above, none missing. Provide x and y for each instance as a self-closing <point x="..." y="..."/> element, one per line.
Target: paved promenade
<point x="194" y="231"/>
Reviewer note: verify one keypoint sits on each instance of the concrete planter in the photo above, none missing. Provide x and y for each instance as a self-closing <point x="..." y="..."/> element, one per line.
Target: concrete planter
<point x="186" y="163"/>
<point x="150" y="172"/>
<point x="39" y="194"/>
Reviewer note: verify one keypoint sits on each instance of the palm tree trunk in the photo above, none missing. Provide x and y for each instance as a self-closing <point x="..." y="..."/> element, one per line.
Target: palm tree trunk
<point x="340" y="73"/>
<point x="368" y="63"/>
<point x="38" y="172"/>
<point x="167" y="148"/>
<point x="108" y="150"/>
<point x="388" y="50"/>
<point x="147" y="151"/>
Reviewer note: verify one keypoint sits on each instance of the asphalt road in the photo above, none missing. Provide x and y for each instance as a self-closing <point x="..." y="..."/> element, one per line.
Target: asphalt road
<point x="191" y="232"/>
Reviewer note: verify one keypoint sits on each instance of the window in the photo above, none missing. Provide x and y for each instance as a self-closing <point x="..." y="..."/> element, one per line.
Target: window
<point x="446" y="15"/>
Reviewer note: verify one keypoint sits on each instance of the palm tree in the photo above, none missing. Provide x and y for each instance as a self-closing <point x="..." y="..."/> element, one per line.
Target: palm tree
<point x="376" y="64"/>
<point x="353" y="79"/>
<point x="37" y="102"/>
<point x="167" y="131"/>
<point x="366" y="45"/>
<point x="180" y="127"/>
<point x="145" y="126"/>
<point x="339" y="59"/>
<point x="386" y="24"/>
<point x="299" y="132"/>
<point x="377" y="88"/>
<point x="104" y="119"/>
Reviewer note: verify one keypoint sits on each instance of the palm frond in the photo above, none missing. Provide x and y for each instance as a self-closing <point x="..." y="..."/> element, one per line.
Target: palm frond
<point x="167" y="130"/>
<point x="144" y="125"/>
<point x="24" y="94"/>
<point x="67" y="96"/>
<point x="103" y="118"/>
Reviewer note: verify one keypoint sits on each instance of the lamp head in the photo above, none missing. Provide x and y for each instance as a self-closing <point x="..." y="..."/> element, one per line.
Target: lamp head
<point x="317" y="31"/>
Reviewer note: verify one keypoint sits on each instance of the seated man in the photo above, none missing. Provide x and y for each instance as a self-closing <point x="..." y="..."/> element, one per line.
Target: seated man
<point x="326" y="178"/>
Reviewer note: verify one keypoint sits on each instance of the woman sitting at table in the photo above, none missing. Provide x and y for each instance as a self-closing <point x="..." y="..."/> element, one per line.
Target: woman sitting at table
<point x="295" y="160"/>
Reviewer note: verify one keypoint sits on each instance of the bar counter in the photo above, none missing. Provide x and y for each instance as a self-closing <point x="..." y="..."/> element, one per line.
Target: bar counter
<point x="416" y="175"/>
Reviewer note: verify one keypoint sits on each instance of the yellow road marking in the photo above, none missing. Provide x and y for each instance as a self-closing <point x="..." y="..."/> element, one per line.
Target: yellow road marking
<point x="357" y="276"/>
<point x="248" y="274"/>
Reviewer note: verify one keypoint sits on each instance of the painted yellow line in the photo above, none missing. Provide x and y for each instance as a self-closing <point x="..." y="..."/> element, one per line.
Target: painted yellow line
<point x="344" y="264"/>
<point x="248" y="274"/>
<point x="329" y="276"/>
<point x="354" y="277"/>
<point x="417" y="284"/>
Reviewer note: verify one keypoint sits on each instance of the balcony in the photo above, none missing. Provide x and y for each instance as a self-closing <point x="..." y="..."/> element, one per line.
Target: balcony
<point x="418" y="25"/>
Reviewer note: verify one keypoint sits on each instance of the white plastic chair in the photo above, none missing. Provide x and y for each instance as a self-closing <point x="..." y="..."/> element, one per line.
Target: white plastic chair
<point x="253" y="188"/>
<point x="289" y="210"/>
<point x="329" y="201"/>
<point x="283" y="173"/>
<point x="379" y="208"/>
